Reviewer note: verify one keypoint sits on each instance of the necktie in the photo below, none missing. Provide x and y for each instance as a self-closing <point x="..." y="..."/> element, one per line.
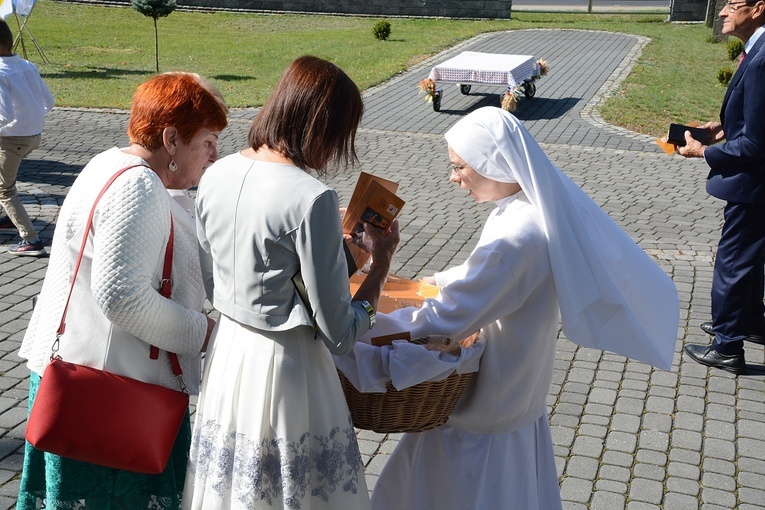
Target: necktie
<point x="741" y="57"/>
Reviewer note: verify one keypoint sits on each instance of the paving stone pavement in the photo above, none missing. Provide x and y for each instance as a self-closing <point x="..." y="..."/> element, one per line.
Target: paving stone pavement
<point x="626" y="436"/>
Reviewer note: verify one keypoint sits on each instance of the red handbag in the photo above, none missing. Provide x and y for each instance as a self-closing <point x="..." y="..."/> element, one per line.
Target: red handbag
<point x="94" y="416"/>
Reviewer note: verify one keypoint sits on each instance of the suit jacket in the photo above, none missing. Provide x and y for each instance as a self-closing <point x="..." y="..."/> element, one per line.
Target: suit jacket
<point x="738" y="165"/>
<point x="251" y="249"/>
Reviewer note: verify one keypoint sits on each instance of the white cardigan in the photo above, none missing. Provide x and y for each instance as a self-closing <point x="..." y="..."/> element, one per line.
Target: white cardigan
<point x="116" y="311"/>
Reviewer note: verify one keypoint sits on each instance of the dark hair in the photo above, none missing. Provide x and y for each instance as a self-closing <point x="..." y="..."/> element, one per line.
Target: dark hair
<point x="311" y="117"/>
<point x="183" y="100"/>
<point x="6" y="36"/>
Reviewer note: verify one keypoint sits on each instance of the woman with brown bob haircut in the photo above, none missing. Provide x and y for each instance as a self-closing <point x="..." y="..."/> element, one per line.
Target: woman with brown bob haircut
<point x="309" y="125"/>
<point x="116" y="312"/>
<point x="272" y="428"/>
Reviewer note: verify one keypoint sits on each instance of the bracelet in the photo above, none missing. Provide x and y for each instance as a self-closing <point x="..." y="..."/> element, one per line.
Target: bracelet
<point x="370" y="311"/>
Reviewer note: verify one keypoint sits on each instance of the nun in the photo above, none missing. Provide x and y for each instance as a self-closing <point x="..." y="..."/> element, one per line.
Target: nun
<point x="547" y="253"/>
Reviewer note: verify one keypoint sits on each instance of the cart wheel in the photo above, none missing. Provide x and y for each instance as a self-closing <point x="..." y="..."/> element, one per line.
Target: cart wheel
<point x="437" y="101"/>
<point x="465" y="89"/>
<point x="529" y="89"/>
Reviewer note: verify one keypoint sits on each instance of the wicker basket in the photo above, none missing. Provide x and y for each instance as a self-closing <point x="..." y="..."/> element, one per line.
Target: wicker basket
<point x="421" y="407"/>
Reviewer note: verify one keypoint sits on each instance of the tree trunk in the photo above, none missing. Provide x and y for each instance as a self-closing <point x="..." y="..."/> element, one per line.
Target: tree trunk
<point x="714" y="20"/>
<point x="156" y="45"/>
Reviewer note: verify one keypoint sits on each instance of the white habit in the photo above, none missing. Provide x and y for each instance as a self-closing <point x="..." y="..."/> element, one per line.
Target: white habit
<point x="546" y="248"/>
<point x="497" y="442"/>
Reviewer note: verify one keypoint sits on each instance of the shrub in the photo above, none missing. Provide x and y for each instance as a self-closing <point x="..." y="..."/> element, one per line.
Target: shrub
<point x="724" y="75"/>
<point x="381" y="30"/>
<point x="735" y="47"/>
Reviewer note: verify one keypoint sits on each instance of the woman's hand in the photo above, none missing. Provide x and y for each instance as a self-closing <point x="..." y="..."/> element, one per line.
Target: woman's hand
<point x="467" y="342"/>
<point x="383" y="248"/>
<point x="210" y="328"/>
<point x="383" y="245"/>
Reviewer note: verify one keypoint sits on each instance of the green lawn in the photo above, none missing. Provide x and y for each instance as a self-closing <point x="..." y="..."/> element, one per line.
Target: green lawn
<point x="99" y="54"/>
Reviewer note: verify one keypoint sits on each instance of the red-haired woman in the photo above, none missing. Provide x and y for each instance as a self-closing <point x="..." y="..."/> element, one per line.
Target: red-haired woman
<point x="116" y="312"/>
<point x="272" y="429"/>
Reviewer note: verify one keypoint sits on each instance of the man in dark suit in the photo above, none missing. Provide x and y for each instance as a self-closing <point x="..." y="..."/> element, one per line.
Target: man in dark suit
<point x="737" y="175"/>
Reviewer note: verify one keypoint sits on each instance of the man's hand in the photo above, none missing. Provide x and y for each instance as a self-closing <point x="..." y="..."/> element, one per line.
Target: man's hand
<point x="693" y="148"/>
<point x="715" y="131"/>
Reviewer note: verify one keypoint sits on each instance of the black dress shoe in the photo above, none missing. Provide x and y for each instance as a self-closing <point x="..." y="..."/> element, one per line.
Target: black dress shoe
<point x="706" y="327"/>
<point x="705" y="355"/>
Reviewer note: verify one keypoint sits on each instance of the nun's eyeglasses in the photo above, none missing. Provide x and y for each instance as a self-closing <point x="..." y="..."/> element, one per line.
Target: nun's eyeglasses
<point x="455" y="169"/>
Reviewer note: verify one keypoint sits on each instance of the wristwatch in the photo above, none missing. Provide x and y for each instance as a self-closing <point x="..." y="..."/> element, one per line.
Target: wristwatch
<point x="370" y="311"/>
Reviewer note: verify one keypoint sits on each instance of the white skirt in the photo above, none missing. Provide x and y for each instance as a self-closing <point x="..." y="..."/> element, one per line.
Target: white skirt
<point x="451" y="469"/>
<point x="272" y="429"/>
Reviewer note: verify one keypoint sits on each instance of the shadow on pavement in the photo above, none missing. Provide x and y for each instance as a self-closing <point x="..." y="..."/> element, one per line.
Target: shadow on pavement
<point x="48" y="172"/>
<point x="543" y="108"/>
<point x="538" y="108"/>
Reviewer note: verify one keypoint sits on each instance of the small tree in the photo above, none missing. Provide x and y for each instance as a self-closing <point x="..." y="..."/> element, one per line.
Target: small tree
<point x="381" y="30"/>
<point x="725" y="75"/>
<point x="154" y="9"/>
<point x="735" y="47"/>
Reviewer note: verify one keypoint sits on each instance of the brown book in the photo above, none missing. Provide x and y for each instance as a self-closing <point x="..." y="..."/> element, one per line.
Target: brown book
<point x="379" y="341"/>
<point x="374" y="201"/>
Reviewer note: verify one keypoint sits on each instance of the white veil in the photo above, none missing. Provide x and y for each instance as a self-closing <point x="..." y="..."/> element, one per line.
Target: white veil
<point x="612" y="295"/>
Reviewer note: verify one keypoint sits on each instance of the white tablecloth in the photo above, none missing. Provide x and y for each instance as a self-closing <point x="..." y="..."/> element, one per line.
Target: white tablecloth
<point x="486" y="68"/>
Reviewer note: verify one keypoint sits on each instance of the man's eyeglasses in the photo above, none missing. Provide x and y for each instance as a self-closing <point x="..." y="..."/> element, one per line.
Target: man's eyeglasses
<point x="734" y="6"/>
<point x="455" y="169"/>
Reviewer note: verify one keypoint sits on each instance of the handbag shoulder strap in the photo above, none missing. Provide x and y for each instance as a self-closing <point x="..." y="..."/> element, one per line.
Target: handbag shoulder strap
<point x="165" y="287"/>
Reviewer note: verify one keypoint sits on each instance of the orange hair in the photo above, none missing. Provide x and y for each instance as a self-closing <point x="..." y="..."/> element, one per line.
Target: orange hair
<point x="184" y="101"/>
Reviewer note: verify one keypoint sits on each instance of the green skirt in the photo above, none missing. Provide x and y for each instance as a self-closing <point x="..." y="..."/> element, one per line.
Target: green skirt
<point x="52" y="482"/>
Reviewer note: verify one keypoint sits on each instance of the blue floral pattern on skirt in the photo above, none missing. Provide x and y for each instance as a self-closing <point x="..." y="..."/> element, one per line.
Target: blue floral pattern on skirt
<point x="269" y="469"/>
